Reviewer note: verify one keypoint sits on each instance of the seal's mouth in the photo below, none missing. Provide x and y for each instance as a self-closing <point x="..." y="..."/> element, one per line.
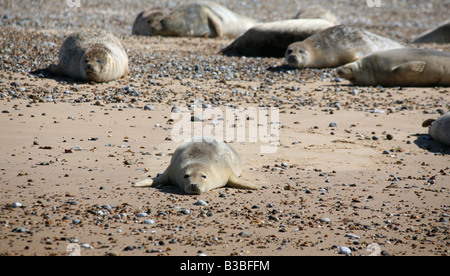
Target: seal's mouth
<point x="94" y="75"/>
<point x="293" y="60"/>
<point x="345" y="72"/>
<point x="193" y="189"/>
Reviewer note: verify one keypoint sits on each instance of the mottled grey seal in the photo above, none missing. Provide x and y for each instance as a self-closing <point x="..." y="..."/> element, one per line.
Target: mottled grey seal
<point x="200" y="165"/>
<point x="272" y="39"/>
<point x="148" y="22"/>
<point x="336" y="46"/>
<point x="400" y="67"/>
<point x="440" y="129"/>
<point x="92" y="55"/>
<point x="193" y="19"/>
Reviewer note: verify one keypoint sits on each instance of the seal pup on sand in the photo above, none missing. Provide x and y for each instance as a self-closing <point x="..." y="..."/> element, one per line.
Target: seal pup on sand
<point x="92" y="55"/>
<point x="439" y="129"/>
<point x="439" y="35"/>
<point x="195" y="19"/>
<point x="272" y="39"/>
<point x="148" y="22"/>
<point x="400" y="67"/>
<point x="200" y="165"/>
<point x="336" y="46"/>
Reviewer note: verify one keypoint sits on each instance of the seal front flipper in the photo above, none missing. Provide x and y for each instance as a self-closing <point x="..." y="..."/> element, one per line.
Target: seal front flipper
<point x="411" y="68"/>
<point x="214" y="23"/>
<point x="428" y="122"/>
<point x="235" y="182"/>
<point x="153" y="182"/>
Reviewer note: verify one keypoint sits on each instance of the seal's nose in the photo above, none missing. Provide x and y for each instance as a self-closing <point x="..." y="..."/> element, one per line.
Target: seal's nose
<point x="89" y="67"/>
<point x="194" y="186"/>
<point x="292" y="59"/>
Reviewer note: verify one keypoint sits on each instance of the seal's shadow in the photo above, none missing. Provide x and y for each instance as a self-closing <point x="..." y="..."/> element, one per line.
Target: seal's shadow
<point x="168" y="189"/>
<point x="45" y="73"/>
<point x="424" y="141"/>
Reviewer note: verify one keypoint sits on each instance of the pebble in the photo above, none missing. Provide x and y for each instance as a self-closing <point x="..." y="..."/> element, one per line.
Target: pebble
<point x="17" y="205"/>
<point x="201" y="203"/>
<point x="345" y="251"/>
<point x="196" y="118"/>
<point x="86" y="246"/>
<point x="21" y="230"/>
<point x="149" y="221"/>
<point x="244" y="234"/>
<point x="352" y="236"/>
<point x="185" y="211"/>
<point x="141" y="215"/>
<point x="149" y="107"/>
<point x="333" y="125"/>
<point x="325" y="220"/>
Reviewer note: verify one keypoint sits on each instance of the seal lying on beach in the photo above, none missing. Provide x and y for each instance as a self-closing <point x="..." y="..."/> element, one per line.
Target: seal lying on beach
<point x="336" y="46"/>
<point x="400" y="67"/>
<point x="200" y="165"/>
<point x="272" y="39"/>
<point x="317" y="12"/>
<point x="439" y="35"/>
<point x="197" y="19"/>
<point x="439" y="129"/>
<point x="148" y="22"/>
<point x="92" y="55"/>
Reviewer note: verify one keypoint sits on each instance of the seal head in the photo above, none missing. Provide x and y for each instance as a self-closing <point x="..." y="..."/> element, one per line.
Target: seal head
<point x="348" y="71"/>
<point x="195" y="178"/>
<point x="95" y="62"/>
<point x="149" y="22"/>
<point x="297" y="57"/>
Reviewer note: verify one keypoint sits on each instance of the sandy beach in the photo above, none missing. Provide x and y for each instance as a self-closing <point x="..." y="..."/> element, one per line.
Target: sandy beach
<point x="348" y="167"/>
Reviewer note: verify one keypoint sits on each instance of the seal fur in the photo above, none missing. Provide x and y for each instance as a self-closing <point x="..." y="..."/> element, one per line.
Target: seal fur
<point x="92" y="55"/>
<point x="200" y="165"/>
<point x="400" y="67"/>
<point x="195" y="19"/>
<point x="439" y="35"/>
<point x="336" y="46"/>
<point x="272" y="39"/>
<point x="440" y="129"/>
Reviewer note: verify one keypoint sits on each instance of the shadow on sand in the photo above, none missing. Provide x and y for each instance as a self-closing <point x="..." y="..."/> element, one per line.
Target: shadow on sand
<point x="424" y="141"/>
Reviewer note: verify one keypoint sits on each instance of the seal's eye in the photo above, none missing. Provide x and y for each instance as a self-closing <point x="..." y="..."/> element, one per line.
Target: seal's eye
<point x="301" y="51"/>
<point x="204" y="176"/>
<point x="289" y="52"/>
<point x="100" y="61"/>
<point x="186" y="176"/>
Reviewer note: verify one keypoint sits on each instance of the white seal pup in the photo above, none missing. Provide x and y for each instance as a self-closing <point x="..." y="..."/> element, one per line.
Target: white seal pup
<point x="200" y="165"/>
<point x="272" y="39"/>
<point x="440" y="129"/>
<point x="92" y="55"/>
<point x="400" y="67"/>
<point x="194" y="19"/>
<point x="336" y="46"/>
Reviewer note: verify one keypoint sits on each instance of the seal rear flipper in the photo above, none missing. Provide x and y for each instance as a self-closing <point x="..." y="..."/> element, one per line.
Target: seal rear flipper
<point x="411" y="68"/>
<point x="235" y="182"/>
